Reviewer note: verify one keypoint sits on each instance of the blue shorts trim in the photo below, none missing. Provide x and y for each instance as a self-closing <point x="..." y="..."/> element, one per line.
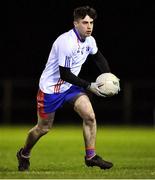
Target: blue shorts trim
<point x="47" y="103"/>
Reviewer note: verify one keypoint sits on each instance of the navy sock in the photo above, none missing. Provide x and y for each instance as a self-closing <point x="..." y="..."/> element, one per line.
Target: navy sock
<point x="90" y="153"/>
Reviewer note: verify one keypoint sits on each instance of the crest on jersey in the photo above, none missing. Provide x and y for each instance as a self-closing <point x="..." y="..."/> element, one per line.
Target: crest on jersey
<point x="87" y="48"/>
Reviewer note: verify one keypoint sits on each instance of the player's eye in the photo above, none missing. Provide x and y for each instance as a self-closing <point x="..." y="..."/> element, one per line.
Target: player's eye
<point x="85" y="22"/>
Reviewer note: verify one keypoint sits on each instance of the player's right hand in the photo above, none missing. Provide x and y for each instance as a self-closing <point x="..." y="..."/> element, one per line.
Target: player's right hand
<point x="94" y="89"/>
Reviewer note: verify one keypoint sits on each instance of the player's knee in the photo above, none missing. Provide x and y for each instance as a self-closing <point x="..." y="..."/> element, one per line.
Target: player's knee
<point x="90" y="119"/>
<point x="43" y="130"/>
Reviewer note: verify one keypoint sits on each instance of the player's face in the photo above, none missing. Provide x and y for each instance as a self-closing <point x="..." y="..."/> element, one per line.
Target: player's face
<point x="84" y="26"/>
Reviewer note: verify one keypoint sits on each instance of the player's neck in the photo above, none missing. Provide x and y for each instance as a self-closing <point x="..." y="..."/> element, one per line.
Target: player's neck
<point x="78" y="35"/>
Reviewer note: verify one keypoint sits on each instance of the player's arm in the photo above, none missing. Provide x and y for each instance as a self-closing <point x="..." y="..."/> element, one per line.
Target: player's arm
<point x="101" y="62"/>
<point x="67" y="75"/>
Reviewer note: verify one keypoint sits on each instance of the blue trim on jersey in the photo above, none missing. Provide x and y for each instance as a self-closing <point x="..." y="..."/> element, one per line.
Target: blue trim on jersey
<point x="54" y="101"/>
<point x="78" y="36"/>
<point x="67" y="61"/>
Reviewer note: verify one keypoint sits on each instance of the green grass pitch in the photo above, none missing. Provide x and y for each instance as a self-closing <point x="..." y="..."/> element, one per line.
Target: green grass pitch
<point x="60" y="154"/>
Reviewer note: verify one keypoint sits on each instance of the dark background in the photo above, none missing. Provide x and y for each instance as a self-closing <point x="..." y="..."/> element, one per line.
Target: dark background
<point x="124" y="33"/>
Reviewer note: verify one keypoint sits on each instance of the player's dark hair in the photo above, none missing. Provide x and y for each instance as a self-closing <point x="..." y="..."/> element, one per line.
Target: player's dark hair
<point x="81" y="12"/>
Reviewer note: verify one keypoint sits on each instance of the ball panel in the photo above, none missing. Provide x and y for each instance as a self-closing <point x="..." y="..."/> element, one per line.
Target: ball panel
<point x="110" y="84"/>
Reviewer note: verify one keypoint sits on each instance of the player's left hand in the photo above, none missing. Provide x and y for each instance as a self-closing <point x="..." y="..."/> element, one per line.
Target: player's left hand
<point x="94" y="88"/>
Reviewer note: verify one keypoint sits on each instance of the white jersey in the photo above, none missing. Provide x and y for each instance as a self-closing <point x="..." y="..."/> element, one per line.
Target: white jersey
<point x="67" y="51"/>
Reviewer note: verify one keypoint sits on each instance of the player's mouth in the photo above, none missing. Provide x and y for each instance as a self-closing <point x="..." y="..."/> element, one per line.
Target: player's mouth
<point x="88" y="32"/>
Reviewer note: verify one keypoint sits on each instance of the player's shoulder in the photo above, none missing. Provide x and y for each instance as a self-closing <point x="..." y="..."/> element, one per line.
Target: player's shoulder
<point x="65" y="39"/>
<point x="65" y="36"/>
<point x="91" y="39"/>
<point x="65" y="42"/>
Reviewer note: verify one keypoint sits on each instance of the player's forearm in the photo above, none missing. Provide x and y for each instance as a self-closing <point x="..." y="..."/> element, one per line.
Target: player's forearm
<point x="101" y="62"/>
<point x="68" y="76"/>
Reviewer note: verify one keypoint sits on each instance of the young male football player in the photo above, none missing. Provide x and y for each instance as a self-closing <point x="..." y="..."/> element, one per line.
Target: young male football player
<point x="59" y="83"/>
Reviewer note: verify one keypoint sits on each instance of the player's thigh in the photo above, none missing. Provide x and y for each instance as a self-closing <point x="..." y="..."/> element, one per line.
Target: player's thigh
<point x="46" y="121"/>
<point x="83" y="107"/>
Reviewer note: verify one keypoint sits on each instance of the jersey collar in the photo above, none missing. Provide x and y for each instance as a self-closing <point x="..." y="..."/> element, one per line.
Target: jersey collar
<point x="78" y="36"/>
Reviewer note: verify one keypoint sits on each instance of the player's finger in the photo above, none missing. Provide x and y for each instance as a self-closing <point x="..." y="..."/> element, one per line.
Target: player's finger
<point x="99" y="84"/>
<point x="101" y="94"/>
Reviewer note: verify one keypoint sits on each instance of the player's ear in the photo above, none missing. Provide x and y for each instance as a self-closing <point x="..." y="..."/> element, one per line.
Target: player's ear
<point x="75" y="23"/>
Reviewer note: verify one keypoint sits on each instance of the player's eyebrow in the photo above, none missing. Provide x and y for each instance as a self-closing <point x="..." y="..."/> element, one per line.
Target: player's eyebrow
<point x="87" y="22"/>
